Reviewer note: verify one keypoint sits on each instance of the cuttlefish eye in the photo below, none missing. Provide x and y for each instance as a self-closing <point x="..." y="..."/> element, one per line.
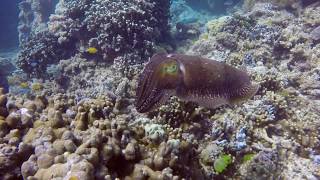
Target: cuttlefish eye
<point x="170" y="68"/>
<point x="157" y="82"/>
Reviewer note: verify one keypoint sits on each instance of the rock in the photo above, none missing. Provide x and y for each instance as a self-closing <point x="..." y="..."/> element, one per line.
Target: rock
<point x="130" y="152"/>
<point x="41" y="102"/>
<point x="3" y="112"/>
<point x="56" y="170"/>
<point x="55" y="118"/>
<point x="26" y="117"/>
<point x="59" y="159"/>
<point x="209" y="153"/>
<point x="28" y="138"/>
<point x="158" y="161"/>
<point x="93" y="157"/>
<point x="25" y="149"/>
<point x="68" y="135"/>
<point x="14" y="120"/>
<point x="70" y="146"/>
<point x="144" y="172"/>
<point x="45" y="161"/>
<point x="3" y="128"/>
<point x="107" y="153"/>
<point x="30" y="106"/>
<point x="81" y="120"/>
<point x="59" y="146"/>
<point x="83" y="169"/>
<point x="28" y="168"/>
<point x="3" y="100"/>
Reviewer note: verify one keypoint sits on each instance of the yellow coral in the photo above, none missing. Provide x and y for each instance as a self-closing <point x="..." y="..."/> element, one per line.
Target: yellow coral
<point x="24" y="85"/>
<point x="36" y="86"/>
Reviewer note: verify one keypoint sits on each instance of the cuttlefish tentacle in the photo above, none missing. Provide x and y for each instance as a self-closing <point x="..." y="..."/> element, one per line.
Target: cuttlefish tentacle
<point x="192" y="78"/>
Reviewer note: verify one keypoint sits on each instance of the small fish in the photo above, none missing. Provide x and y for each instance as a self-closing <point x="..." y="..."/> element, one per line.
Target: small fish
<point x="92" y="50"/>
<point x="204" y="81"/>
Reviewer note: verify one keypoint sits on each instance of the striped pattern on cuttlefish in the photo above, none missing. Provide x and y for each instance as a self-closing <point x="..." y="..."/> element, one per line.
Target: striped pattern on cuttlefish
<point x="207" y="82"/>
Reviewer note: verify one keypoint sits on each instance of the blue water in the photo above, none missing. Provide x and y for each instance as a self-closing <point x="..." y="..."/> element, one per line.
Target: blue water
<point x="9" y="17"/>
<point x="9" y="21"/>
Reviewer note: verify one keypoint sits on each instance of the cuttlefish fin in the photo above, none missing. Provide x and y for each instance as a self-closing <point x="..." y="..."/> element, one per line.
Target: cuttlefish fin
<point x="208" y="102"/>
<point x="212" y="103"/>
<point x="245" y="93"/>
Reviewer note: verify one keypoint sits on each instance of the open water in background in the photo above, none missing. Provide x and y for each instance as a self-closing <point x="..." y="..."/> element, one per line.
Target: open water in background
<point x="9" y="12"/>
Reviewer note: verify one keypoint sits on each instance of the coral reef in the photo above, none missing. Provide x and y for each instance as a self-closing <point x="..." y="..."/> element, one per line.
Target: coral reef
<point x="79" y="121"/>
<point x="116" y="29"/>
<point x="33" y="17"/>
<point x="6" y="68"/>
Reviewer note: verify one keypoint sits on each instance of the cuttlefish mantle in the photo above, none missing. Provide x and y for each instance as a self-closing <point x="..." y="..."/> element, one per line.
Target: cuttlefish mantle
<point x="204" y="81"/>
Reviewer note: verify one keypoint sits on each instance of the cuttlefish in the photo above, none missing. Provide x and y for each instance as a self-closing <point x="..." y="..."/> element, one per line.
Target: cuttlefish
<point x="207" y="82"/>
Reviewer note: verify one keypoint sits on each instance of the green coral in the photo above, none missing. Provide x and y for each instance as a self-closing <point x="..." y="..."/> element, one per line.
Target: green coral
<point x="222" y="162"/>
<point x="248" y="157"/>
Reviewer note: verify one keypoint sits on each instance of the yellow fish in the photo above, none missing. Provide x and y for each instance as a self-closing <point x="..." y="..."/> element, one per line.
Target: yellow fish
<point x="92" y="50"/>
